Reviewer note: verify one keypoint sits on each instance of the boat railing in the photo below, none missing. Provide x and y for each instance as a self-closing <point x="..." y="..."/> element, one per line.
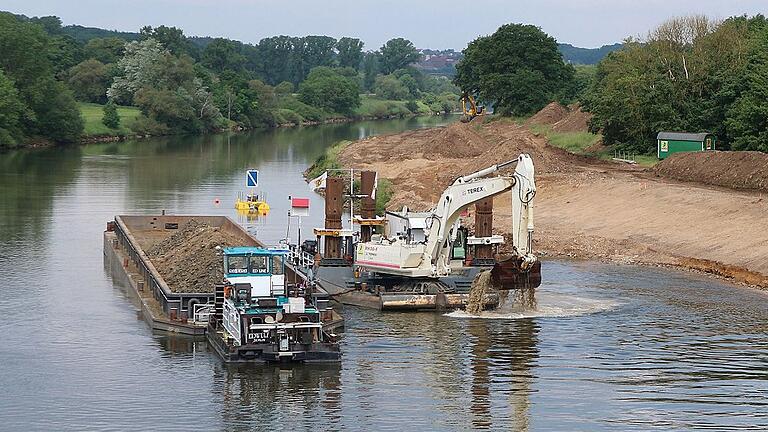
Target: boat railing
<point x="301" y="259"/>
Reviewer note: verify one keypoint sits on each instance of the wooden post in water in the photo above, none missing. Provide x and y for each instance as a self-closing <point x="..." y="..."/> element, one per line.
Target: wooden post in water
<point x="368" y="204"/>
<point x="484" y="228"/>
<point x="333" y="211"/>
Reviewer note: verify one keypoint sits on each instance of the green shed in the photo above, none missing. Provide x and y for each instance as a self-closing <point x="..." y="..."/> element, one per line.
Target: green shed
<point x="677" y="142"/>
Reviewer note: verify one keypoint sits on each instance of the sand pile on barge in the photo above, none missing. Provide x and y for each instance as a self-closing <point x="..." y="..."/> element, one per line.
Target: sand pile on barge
<point x="188" y="260"/>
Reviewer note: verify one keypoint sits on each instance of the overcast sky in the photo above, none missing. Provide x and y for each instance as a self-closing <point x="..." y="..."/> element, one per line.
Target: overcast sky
<point x="429" y="24"/>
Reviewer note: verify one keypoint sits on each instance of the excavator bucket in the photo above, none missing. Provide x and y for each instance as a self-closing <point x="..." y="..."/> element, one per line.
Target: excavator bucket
<point x="509" y="275"/>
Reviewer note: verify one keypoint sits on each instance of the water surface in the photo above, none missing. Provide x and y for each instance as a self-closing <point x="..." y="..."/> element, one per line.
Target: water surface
<point x="605" y="347"/>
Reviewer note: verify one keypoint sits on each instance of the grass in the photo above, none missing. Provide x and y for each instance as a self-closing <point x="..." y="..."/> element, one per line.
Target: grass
<point x="328" y="160"/>
<point x="579" y="142"/>
<point x="92" y="114"/>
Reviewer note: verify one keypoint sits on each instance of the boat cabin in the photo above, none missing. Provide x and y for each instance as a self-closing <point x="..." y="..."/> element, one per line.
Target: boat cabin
<point x="263" y="269"/>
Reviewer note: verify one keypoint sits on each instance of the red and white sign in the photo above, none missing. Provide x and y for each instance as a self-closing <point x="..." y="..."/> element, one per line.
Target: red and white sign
<point x="299" y="206"/>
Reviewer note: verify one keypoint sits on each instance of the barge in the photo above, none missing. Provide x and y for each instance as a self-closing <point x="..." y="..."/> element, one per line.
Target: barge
<point x="126" y="242"/>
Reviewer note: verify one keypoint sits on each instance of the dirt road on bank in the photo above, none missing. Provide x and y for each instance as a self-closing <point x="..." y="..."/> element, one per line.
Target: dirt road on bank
<point x="584" y="208"/>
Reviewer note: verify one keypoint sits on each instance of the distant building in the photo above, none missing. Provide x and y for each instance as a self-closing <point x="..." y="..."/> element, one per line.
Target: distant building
<point x="677" y="142"/>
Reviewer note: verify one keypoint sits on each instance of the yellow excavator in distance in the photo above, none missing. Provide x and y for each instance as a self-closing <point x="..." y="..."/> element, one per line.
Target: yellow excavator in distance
<point x="470" y="109"/>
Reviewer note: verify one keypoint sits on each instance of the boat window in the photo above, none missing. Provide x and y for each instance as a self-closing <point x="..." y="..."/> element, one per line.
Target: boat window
<point x="237" y="265"/>
<point x="259" y="264"/>
<point x="277" y="264"/>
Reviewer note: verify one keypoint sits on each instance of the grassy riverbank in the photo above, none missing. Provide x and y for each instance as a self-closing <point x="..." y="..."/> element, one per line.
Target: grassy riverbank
<point x="94" y="127"/>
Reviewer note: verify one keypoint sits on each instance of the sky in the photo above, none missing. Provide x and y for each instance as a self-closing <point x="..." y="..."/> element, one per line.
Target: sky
<point x="427" y="23"/>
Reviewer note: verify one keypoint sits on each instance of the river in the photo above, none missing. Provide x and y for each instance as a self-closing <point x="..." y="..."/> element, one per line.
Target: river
<point x="605" y="347"/>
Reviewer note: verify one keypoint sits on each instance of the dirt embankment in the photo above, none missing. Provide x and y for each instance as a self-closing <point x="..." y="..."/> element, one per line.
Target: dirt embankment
<point x="562" y="118"/>
<point x="737" y="170"/>
<point x="188" y="260"/>
<point x="584" y="208"/>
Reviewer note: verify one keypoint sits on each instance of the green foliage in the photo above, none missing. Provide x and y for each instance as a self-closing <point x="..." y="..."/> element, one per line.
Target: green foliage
<point x="443" y="103"/>
<point x="747" y="120"/>
<point x="518" y="69"/>
<point x="110" y="118"/>
<point x="374" y="107"/>
<point x="691" y="74"/>
<point x="412" y="106"/>
<point x="350" y="52"/>
<point x="574" y="142"/>
<point x="89" y="81"/>
<point x="396" y="54"/>
<point x="371" y="67"/>
<point x="328" y="160"/>
<point x="287" y="116"/>
<point x="105" y="50"/>
<point x="52" y="112"/>
<point x="284" y="88"/>
<point x="307" y="112"/>
<point x="11" y="111"/>
<point x="384" y="191"/>
<point x="172" y="39"/>
<point x="389" y="87"/>
<point x="327" y="89"/>
<point x="586" y="56"/>
<point x="58" y="117"/>
<point x="166" y="89"/>
<point x="224" y="54"/>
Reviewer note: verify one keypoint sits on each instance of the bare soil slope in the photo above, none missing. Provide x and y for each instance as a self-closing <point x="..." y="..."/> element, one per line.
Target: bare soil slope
<point x="738" y="170"/>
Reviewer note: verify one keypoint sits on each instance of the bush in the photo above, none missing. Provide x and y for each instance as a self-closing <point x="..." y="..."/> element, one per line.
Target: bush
<point x="412" y="106"/>
<point x="287" y="116"/>
<point x="111" y="119"/>
<point x="144" y="125"/>
<point x="389" y="87"/>
<point x="307" y="112"/>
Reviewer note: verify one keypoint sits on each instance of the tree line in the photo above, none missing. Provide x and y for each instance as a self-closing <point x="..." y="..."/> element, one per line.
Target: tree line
<point x="194" y="85"/>
<point x="690" y="74"/>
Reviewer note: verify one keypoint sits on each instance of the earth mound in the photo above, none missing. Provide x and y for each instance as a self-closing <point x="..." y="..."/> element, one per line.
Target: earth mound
<point x="188" y="260"/>
<point x="575" y="121"/>
<point x="736" y="170"/>
<point x="549" y="115"/>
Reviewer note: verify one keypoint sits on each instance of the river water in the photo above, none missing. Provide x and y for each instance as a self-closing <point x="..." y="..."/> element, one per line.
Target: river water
<point x="600" y="347"/>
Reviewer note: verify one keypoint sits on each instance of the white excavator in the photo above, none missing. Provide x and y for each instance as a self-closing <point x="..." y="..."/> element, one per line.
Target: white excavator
<point x="428" y="254"/>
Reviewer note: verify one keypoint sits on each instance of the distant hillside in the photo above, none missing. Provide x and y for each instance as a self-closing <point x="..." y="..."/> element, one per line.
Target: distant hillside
<point x="586" y="56"/>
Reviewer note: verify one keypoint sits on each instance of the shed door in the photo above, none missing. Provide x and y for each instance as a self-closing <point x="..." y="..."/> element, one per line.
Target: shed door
<point x="709" y="143"/>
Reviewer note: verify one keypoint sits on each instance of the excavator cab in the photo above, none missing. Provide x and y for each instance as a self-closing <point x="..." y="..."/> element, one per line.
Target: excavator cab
<point x="470" y="108"/>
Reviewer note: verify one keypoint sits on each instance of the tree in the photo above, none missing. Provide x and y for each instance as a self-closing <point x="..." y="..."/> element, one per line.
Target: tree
<point x="518" y="69"/>
<point x="396" y="54"/>
<point x="89" y="81"/>
<point x="371" y="69"/>
<point x="139" y="67"/>
<point x="325" y="88"/>
<point x="389" y="87"/>
<point x="110" y="118"/>
<point x="166" y="89"/>
<point x="11" y="111"/>
<point x="350" y="52"/>
<point x="52" y="111"/>
<point x="105" y="50"/>
<point x="172" y="39"/>
<point x="58" y="115"/>
<point x="747" y="120"/>
<point x="223" y="54"/>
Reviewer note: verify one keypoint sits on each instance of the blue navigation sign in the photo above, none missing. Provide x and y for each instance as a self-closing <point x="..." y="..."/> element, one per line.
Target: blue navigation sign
<point x="252" y="178"/>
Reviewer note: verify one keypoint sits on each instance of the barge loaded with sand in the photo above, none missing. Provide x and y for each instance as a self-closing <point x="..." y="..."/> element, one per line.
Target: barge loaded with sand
<point x="205" y="275"/>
